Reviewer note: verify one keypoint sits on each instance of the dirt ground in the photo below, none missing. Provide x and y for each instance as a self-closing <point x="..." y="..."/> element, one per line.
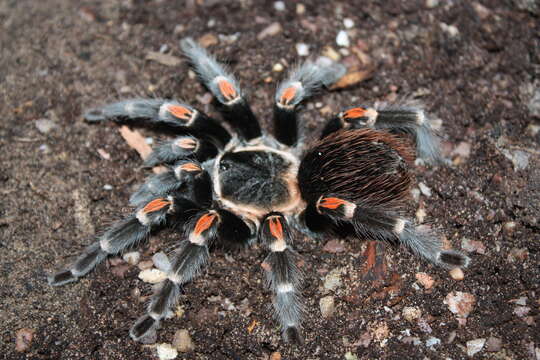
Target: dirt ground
<point x="475" y="66"/>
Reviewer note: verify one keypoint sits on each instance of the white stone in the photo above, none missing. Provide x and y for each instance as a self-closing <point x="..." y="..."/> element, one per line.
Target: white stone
<point x="348" y="23"/>
<point x="424" y="189"/>
<point x="279" y="6"/>
<point x="342" y="39"/>
<point x="107" y="187"/>
<point x="152" y="276"/>
<point x="132" y="257"/>
<point x="326" y="304"/>
<point x="166" y="352"/>
<point x="277" y="67"/>
<point x="411" y="313"/>
<point x="302" y="49"/>
<point x="432" y="341"/>
<point x="475" y="346"/>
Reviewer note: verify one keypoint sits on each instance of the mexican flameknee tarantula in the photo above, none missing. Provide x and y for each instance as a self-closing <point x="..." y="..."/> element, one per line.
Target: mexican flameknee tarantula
<point x="253" y="186"/>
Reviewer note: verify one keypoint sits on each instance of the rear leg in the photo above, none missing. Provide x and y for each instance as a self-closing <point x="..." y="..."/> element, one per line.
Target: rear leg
<point x="395" y="119"/>
<point x="382" y="224"/>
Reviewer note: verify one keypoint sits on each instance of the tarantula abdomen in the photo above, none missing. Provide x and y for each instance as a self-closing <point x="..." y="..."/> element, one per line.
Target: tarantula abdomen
<point x="367" y="167"/>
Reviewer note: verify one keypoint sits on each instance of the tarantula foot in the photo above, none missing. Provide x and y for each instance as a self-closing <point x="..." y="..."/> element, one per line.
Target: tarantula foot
<point x="61" y="278"/>
<point x="292" y="335"/>
<point x="144" y="327"/>
<point x="452" y="259"/>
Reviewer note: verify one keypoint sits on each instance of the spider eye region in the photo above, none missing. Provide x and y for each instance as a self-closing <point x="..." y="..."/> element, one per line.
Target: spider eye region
<point x="258" y="179"/>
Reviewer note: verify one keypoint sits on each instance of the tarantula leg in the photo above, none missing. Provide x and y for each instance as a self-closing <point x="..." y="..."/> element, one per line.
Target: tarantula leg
<point x="187" y="261"/>
<point x="300" y="84"/>
<point x="283" y="275"/>
<point x="170" y="113"/>
<point x="399" y="120"/>
<point x="386" y="225"/>
<point x="225" y="88"/>
<point x="186" y="177"/>
<point x="184" y="147"/>
<point x="122" y="235"/>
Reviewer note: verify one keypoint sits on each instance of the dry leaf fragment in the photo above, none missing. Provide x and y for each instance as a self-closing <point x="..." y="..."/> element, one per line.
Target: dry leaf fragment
<point x="163" y="59"/>
<point x="138" y="142"/>
<point x="352" y="78"/>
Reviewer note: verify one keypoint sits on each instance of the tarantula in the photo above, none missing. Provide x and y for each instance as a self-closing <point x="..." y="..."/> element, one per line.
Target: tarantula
<point x="254" y="186"/>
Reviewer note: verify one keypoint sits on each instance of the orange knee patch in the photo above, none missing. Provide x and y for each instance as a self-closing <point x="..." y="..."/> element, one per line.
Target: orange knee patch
<point x="288" y="95"/>
<point x="276" y="228"/>
<point x="156" y="204"/>
<point x="227" y="89"/>
<point x="331" y="202"/>
<point x="190" y="167"/>
<point x="180" y="112"/>
<point x="354" y="113"/>
<point x="204" y="223"/>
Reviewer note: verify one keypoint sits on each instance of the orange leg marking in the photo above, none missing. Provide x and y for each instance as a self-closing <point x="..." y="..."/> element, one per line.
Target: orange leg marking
<point x="187" y="143"/>
<point x="276" y="229"/>
<point x="287" y="95"/>
<point x="155" y="205"/>
<point x="354" y="113"/>
<point x="180" y="112"/>
<point x="190" y="167"/>
<point x="227" y="89"/>
<point x="204" y="223"/>
<point x="332" y="203"/>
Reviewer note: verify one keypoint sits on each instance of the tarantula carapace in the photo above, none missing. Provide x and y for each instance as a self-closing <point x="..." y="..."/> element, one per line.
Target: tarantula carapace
<point x="254" y="186"/>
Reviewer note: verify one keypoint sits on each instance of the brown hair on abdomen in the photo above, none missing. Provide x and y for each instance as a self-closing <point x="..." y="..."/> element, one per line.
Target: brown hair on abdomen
<point x="367" y="167"/>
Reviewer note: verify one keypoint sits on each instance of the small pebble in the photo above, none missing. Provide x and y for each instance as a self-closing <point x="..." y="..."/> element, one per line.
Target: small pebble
<point x="45" y="125"/>
<point x="279" y="6"/>
<point x="107" y="187"/>
<point x="166" y="352"/>
<point x="182" y="341"/>
<point x="146" y="264"/>
<point x="425" y="280"/>
<point x="271" y="30"/>
<point x="275" y="356"/>
<point x="152" y="276"/>
<point x="132" y="257"/>
<point x="380" y="331"/>
<point x="350" y="356"/>
<point x="211" y="23"/>
<point x="457" y="274"/>
<point x="411" y="313"/>
<point x="424" y="189"/>
<point x="300" y="9"/>
<point x="208" y="40"/>
<point x="333" y="280"/>
<point x="432" y="3"/>
<point x="342" y="39"/>
<point x="161" y="261"/>
<point x="420" y="215"/>
<point x="302" y="49"/>
<point x="509" y="227"/>
<point x="449" y="29"/>
<point x="493" y="344"/>
<point x="330" y="53"/>
<point x="44" y="148"/>
<point x="460" y="303"/>
<point x="334" y="246"/>
<point x="475" y="346"/>
<point x="277" y="67"/>
<point x="432" y="341"/>
<point x="348" y="23"/>
<point x="327" y="306"/>
<point x="23" y="339"/>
